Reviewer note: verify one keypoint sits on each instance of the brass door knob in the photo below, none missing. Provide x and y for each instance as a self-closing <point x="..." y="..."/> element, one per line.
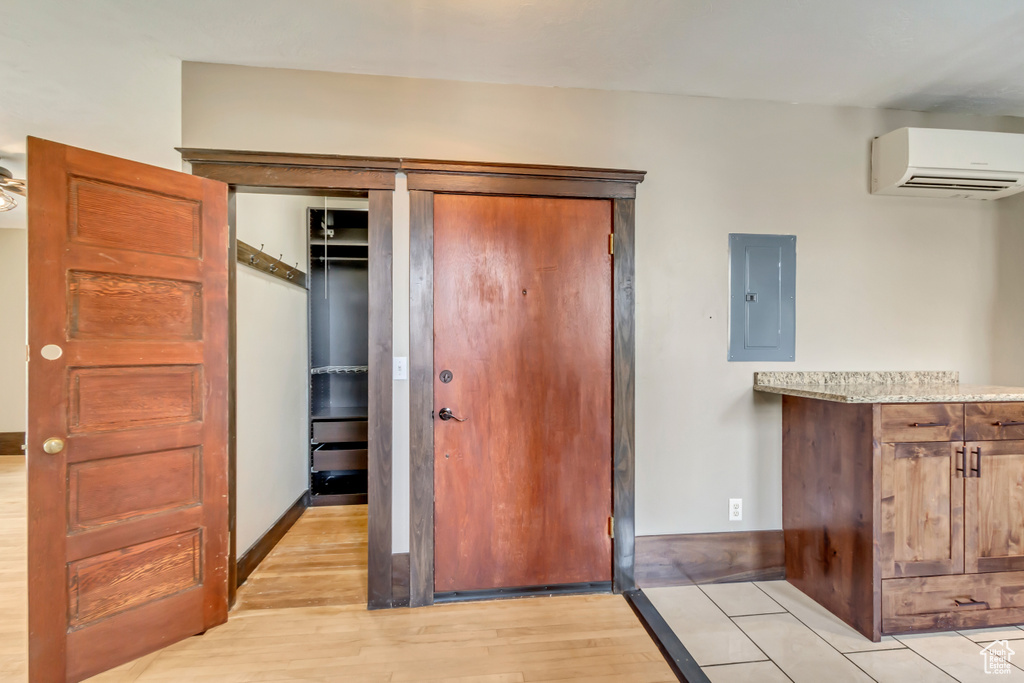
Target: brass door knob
<point x="53" y="445"/>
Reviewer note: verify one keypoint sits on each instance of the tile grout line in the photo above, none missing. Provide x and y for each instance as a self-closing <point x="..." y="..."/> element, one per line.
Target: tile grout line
<point x="732" y="619"/>
<point x="737" y="626"/>
<point x="800" y="621"/>
<point x="1016" y="666"/>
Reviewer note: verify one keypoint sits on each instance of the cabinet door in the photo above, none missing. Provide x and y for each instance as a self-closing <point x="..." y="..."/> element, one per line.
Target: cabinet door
<point x="922" y="510"/>
<point x="994" y="506"/>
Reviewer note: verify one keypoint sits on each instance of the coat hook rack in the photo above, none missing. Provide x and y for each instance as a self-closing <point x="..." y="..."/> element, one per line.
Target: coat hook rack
<point x="254" y="258"/>
<point x="249" y="255"/>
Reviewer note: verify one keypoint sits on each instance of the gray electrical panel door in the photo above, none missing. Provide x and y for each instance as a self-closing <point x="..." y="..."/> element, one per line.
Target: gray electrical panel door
<point x="762" y="297"/>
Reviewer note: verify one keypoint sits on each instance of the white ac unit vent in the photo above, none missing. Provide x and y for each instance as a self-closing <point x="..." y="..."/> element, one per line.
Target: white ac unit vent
<point x="933" y="162"/>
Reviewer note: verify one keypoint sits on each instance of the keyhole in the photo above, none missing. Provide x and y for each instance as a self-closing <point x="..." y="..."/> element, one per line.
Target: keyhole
<point x="524" y="292"/>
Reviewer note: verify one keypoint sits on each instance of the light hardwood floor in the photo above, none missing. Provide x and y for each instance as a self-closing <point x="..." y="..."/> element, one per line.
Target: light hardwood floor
<point x="321" y="561"/>
<point x="13" y="577"/>
<point x="580" y="638"/>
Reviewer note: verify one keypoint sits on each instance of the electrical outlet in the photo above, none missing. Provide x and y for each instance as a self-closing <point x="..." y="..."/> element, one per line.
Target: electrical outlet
<point x="735" y="509"/>
<point x="401" y="368"/>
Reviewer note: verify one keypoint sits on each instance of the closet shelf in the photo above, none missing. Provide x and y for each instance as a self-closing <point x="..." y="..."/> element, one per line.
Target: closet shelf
<point x="337" y="369"/>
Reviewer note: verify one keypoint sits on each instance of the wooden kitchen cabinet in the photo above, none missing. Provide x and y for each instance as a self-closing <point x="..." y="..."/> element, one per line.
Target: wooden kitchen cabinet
<point x="895" y="522"/>
<point x="994" y="507"/>
<point x="922" y="510"/>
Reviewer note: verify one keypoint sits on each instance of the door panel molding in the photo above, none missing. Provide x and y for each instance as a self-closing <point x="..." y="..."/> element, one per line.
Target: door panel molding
<point x="421" y="480"/>
<point x="138" y="386"/>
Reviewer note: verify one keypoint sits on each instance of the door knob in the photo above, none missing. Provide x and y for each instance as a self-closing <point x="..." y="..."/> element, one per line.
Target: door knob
<point x="446" y="414"/>
<point x="53" y="445"/>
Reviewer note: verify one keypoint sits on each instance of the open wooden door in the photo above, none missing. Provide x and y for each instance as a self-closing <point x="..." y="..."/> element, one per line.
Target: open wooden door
<point x="128" y="409"/>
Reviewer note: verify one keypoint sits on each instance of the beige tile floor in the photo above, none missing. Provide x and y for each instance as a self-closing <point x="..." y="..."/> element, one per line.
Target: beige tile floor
<point x="769" y="631"/>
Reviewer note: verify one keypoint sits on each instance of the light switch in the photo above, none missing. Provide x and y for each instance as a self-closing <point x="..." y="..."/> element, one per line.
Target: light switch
<point x="401" y="367"/>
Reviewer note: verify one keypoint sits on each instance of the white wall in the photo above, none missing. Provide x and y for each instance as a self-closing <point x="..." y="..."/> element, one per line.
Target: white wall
<point x="882" y="282"/>
<point x="273" y="367"/>
<point x="13" y="293"/>
<point x="87" y="80"/>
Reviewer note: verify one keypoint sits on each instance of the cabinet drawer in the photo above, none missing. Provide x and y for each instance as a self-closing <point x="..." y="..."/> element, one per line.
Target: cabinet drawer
<point x="909" y="422"/>
<point x="994" y="421"/>
<point x="354" y="459"/>
<point x="339" y="431"/>
<point x="934" y="603"/>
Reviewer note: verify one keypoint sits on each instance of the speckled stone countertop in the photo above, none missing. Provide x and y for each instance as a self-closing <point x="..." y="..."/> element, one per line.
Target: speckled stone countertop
<point x="882" y="387"/>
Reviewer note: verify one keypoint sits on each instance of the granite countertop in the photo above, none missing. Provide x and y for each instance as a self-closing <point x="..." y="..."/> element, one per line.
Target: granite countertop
<point x="882" y="387"/>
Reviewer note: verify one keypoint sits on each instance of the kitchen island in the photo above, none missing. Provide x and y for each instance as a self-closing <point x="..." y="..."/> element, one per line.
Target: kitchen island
<point x="903" y="498"/>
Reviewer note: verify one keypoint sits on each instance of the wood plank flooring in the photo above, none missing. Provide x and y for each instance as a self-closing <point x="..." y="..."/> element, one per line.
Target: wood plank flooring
<point x="13" y="576"/>
<point x="280" y="629"/>
<point x="321" y="561"/>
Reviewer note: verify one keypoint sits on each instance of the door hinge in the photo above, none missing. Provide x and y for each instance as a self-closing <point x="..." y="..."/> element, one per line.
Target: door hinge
<point x="611" y="526"/>
<point x="611" y="243"/>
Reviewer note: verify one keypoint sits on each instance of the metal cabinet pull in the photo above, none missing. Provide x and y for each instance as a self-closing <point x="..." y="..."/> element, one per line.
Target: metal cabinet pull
<point x="929" y="424"/>
<point x="962" y="469"/>
<point x="969" y="602"/>
<point x="1011" y="423"/>
<point x="976" y="470"/>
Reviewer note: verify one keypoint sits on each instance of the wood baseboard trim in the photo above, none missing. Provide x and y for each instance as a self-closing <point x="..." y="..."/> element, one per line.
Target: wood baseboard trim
<point x="12" y="443"/>
<point x="686" y="559"/>
<point x="679" y="659"/>
<point x="252" y="557"/>
<point x="400" y="580"/>
<point x="339" y="499"/>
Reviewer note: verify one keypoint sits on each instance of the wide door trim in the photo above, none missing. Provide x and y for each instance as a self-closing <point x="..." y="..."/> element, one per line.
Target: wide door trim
<point x="334" y="175"/>
<point x="421" y="358"/>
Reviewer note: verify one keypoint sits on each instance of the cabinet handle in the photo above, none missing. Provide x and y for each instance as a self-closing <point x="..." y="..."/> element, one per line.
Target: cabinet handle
<point x="1008" y="424"/>
<point x="962" y="452"/>
<point x="976" y="470"/>
<point x="929" y="424"/>
<point x="969" y="602"/>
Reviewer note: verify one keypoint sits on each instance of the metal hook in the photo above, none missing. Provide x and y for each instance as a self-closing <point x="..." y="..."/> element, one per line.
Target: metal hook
<point x="272" y="267"/>
<point x="291" y="271"/>
<point x="252" y="257"/>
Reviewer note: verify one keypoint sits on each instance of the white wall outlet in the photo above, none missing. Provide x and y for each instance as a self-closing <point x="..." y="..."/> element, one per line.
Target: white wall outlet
<point x="735" y="509"/>
<point x="401" y="368"/>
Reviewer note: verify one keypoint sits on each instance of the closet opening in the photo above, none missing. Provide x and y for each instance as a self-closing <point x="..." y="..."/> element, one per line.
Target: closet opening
<point x="318" y="531"/>
<point x="338" y="354"/>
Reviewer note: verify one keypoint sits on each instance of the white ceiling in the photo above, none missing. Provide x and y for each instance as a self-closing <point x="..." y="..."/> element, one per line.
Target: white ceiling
<point x="930" y="55"/>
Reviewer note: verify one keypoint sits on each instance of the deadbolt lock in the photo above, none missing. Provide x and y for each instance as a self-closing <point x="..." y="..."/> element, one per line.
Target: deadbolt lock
<point x="53" y="445"/>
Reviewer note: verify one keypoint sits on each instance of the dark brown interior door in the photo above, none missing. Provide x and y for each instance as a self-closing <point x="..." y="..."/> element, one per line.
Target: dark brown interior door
<point x="128" y="412"/>
<point x="522" y="322"/>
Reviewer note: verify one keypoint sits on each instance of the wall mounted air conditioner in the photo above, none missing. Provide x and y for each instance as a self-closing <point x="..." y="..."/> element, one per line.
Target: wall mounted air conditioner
<point x="932" y="162"/>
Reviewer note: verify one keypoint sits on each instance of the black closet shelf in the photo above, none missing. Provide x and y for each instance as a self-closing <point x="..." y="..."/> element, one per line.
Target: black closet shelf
<point x="338" y="370"/>
<point x="330" y="413"/>
<point x="340" y="244"/>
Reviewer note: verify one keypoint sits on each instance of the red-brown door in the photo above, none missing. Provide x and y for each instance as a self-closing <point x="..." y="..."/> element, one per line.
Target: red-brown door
<point x="128" y="412"/>
<point x="522" y="322"/>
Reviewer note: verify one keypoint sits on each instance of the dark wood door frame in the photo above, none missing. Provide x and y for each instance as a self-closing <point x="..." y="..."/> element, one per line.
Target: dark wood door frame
<point x="335" y="176"/>
<point x="424" y="180"/>
<point x="350" y="175"/>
